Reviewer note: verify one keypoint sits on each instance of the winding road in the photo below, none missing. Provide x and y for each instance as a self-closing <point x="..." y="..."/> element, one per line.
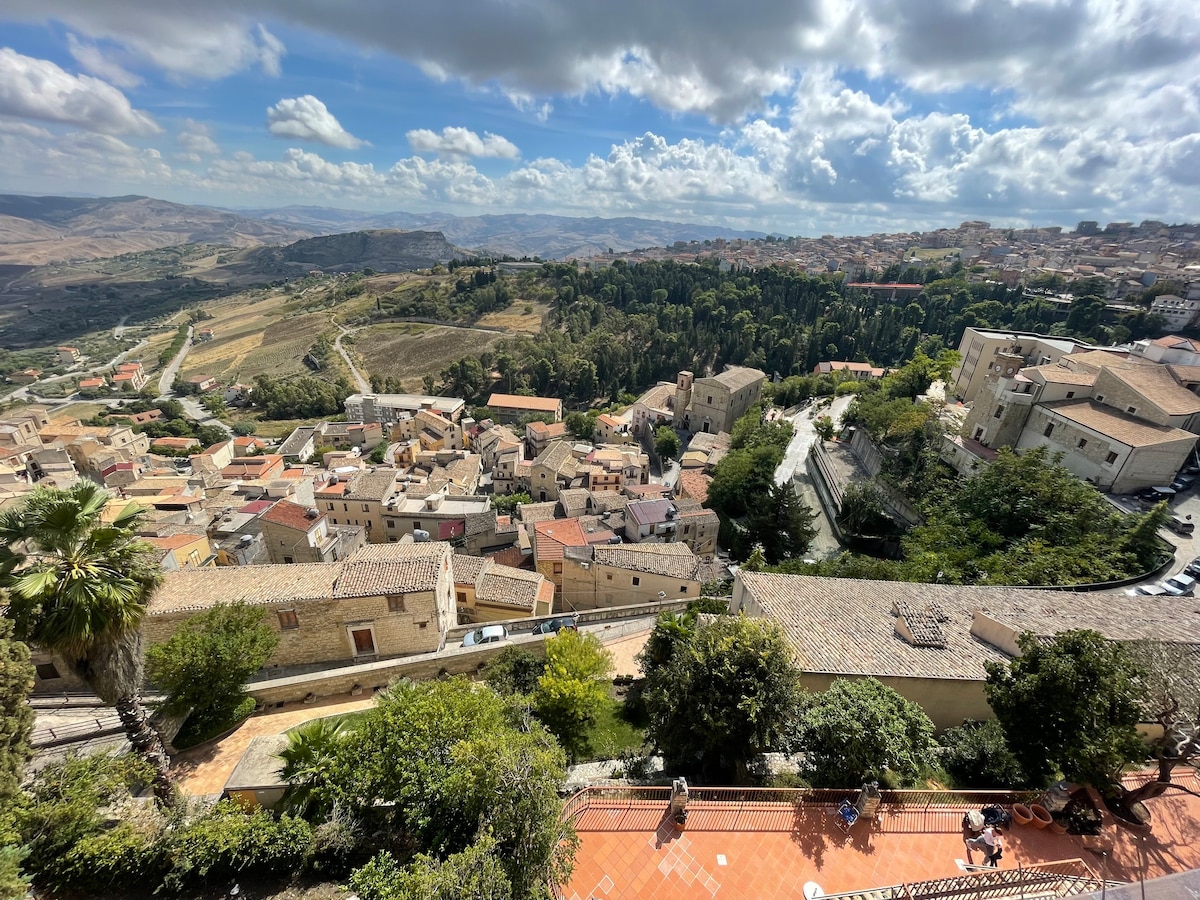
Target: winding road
<point x="168" y="376"/>
<point x="364" y="386"/>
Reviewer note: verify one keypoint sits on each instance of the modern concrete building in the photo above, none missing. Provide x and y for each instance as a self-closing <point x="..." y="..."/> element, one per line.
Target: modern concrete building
<point x="389" y="408"/>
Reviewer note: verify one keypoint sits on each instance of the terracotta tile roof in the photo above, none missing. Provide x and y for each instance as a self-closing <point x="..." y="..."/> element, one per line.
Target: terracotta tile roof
<point x="1095" y="359"/>
<point x="196" y="589"/>
<point x="658" y="396"/>
<point x="515" y="401"/>
<point x="737" y="377"/>
<point x="538" y="512"/>
<point x="671" y="560"/>
<point x="1115" y="426"/>
<point x="391" y="569"/>
<point x="556" y="457"/>
<point x="510" y="587"/>
<point x="694" y="484"/>
<point x="290" y="515"/>
<point x="1056" y="374"/>
<point x="1158" y="386"/>
<point x="550" y="538"/>
<point x="468" y="568"/>
<point x="650" y="512"/>
<point x="371" y="485"/>
<point x="1185" y="373"/>
<point x="847" y="626"/>
<point x="1177" y="342"/>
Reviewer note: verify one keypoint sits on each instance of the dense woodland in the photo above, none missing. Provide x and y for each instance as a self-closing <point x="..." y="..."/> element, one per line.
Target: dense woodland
<point x="620" y="329"/>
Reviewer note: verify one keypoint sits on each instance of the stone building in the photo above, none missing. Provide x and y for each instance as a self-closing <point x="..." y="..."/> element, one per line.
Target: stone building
<point x="486" y="591"/>
<point x="602" y="576"/>
<point x="296" y="534"/>
<point x="709" y="404"/>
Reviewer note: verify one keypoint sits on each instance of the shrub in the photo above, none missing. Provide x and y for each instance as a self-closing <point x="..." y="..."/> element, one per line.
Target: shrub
<point x="230" y="840"/>
<point x="120" y="856"/>
<point x="977" y="756"/>
<point x="514" y="670"/>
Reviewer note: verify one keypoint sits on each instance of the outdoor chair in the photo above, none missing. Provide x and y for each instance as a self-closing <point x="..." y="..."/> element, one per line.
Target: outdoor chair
<point x="865" y="804"/>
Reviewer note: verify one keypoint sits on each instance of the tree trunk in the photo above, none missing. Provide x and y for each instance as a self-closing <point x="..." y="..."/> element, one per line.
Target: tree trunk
<point x="148" y="743"/>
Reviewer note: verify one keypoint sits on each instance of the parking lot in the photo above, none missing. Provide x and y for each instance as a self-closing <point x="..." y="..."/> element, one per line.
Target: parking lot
<point x="1185" y="505"/>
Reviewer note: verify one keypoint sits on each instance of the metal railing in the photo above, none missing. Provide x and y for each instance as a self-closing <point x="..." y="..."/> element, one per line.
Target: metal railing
<point x="1059" y="878"/>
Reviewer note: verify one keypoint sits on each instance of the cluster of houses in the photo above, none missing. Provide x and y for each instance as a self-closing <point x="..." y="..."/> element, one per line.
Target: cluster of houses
<point x="359" y="560"/>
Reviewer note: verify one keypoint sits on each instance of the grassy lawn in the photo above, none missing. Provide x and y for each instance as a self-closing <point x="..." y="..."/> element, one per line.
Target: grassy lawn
<point x="611" y="733"/>
<point x="349" y="718"/>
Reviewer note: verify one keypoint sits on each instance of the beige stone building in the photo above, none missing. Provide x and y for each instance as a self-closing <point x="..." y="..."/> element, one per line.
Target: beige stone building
<point x="513" y="407"/>
<point x="705" y="405"/>
<point x="293" y="533"/>
<point x="984" y="352"/>
<point x="931" y="642"/>
<point x="609" y="575"/>
<point x="1121" y="424"/>
<point x="359" y="500"/>
<point x="485" y="591"/>
<point x="554" y="469"/>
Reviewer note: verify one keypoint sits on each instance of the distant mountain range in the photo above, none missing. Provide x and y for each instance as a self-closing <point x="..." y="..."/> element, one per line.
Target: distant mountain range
<point x="386" y="250"/>
<point x="545" y="236"/>
<point x="37" y="230"/>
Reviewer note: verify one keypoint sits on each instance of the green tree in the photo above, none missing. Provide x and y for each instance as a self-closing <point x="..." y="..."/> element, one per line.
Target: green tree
<point x="666" y="442"/>
<point x="514" y="670"/>
<point x="781" y="523"/>
<point x="741" y="478"/>
<point x="582" y="426"/>
<point x="977" y="756"/>
<point x="214" y="404"/>
<point x="79" y="586"/>
<point x="475" y="873"/>
<point x="863" y="511"/>
<point x="16" y="723"/>
<point x="573" y="687"/>
<point x="859" y="729"/>
<point x="308" y="761"/>
<point x="824" y="428"/>
<point x="727" y="693"/>
<point x="1071" y="703"/>
<point x="506" y="504"/>
<point x="244" y="427"/>
<point x="204" y="666"/>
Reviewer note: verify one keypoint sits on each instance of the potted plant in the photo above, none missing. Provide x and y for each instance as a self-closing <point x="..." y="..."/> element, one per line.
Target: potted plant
<point x="681" y="819"/>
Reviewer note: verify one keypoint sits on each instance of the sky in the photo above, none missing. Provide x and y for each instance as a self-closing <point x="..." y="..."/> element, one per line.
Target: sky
<point x="800" y="117"/>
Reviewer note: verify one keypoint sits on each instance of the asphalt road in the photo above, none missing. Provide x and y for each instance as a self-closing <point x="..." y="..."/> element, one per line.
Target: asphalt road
<point x="806" y="435"/>
<point x="168" y="376"/>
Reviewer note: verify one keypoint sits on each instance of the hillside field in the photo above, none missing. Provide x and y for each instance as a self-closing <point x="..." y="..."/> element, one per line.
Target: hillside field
<point x="409" y="351"/>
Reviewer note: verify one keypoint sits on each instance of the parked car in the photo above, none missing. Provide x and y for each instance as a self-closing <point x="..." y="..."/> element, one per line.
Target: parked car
<point x="1180" y="585"/>
<point x="554" y="626"/>
<point x="1193" y="568"/>
<point x="1149" y="590"/>
<point x="1157" y="493"/>
<point x="488" y="634"/>
<point x="1181" y="526"/>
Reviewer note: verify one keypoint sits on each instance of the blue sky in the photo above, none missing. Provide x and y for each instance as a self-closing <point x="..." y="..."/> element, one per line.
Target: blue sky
<point x="794" y="116"/>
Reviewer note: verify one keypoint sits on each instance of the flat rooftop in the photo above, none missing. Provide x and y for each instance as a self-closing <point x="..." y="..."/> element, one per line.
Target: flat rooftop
<point x="756" y="845"/>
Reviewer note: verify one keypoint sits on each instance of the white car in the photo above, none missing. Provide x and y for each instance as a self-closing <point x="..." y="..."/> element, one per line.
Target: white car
<point x="488" y="634"/>
<point x="1179" y="585"/>
<point x="1148" y="590"/>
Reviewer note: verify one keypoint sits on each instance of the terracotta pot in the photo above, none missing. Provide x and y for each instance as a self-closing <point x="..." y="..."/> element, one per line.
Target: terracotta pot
<point x="1022" y="814"/>
<point x="1058" y="827"/>
<point x="1041" y="816"/>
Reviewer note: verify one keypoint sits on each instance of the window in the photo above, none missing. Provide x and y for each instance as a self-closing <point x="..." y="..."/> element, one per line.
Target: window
<point x="194" y="557"/>
<point x="46" y="671"/>
<point x="345" y="507"/>
<point x="460" y="596"/>
<point x="1111" y="458"/>
<point x="288" y="560"/>
<point x="330" y="506"/>
<point x="683" y="589"/>
<point x="416" y="524"/>
<point x="1099" y="398"/>
<point x="391" y="523"/>
<point x="1049" y="430"/>
<point x="395" y="603"/>
<point x="366" y="507"/>
<point x="363" y="640"/>
<point x="1131" y="409"/>
<point x="710" y="398"/>
<point x="609" y="576"/>
<point x="978" y="434"/>
<point x="288" y="621"/>
<point x="1070" y="394"/>
<point x="999" y="411"/>
<point x="636" y="581"/>
<point x="1082" y="443"/>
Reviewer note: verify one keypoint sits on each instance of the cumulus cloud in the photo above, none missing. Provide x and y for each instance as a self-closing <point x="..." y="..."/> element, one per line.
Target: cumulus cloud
<point x="307" y="119"/>
<point x="462" y="143"/>
<point x="38" y="89"/>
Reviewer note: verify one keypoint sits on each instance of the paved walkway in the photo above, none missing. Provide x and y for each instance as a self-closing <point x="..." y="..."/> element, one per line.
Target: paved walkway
<point x="624" y="652"/>
<point x="205" y="770"/>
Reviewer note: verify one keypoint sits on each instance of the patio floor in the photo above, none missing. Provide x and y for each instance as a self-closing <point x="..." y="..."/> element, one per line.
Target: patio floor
<point x="763" y="851"/>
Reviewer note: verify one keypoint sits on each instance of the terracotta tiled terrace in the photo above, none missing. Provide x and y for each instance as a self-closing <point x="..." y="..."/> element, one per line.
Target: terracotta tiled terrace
<point x="762" y="845"/>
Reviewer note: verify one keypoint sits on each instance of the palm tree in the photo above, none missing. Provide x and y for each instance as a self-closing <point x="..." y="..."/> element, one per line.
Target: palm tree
<point x="78" y="586"/>
<point x="308" y="761"/>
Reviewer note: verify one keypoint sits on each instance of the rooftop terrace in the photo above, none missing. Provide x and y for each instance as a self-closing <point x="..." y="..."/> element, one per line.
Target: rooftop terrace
<point x="762" y="844"/>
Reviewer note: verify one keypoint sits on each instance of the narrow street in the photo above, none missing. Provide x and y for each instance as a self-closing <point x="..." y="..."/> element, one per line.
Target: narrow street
<point x="168" y="376"/>
<point x="806" y="435"/>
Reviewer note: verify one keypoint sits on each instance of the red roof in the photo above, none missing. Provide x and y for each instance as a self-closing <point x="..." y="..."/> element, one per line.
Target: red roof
<point x="290" y="515"/>
<point x="552" y="536"/>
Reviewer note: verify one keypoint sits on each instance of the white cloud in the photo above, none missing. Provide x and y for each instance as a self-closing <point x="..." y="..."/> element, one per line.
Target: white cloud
<point x="93" y="59"/>
<point x="38" y="89"/>
<point x="195" y="141"/>
<point x="307" y="119"/>
<point x="462" y="142"/>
